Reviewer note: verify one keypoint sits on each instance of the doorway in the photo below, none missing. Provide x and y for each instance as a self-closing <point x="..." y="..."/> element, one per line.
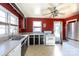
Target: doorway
<point x="58" y="31"/>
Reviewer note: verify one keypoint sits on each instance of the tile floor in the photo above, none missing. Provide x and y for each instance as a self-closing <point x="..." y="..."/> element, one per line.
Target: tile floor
<point x="40" y="50"/>
<point x="67" y="49"/>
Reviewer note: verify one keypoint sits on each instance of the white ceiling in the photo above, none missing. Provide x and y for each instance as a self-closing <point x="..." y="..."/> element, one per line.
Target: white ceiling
<point x="38" y="10"/>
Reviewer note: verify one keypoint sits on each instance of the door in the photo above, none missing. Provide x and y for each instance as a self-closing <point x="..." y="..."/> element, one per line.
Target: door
<point x="72" y="30"/>
<point x="58" y="31"/>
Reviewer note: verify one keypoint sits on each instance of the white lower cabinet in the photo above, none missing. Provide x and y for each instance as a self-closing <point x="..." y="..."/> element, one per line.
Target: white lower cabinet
<point x="50" y="39"/>
<point x="16" y="51"/>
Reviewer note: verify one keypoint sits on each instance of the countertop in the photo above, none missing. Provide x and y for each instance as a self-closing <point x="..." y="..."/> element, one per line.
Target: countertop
<point x="36" y="33"/>
<point x="33" y="33"/>
<point x="7" y="46"/>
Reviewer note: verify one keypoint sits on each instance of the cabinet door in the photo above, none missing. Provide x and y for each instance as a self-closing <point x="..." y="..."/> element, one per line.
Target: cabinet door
<point x="18" y="50"/>
<point x="31" y="39"/>
<point x="36" y="39"/>
<point x="23" y="50"/>
<point x="27" y="43"/>
<point x="41" y="39"/>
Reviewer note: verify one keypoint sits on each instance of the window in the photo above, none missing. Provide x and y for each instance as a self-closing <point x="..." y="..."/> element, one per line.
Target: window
<point x="13" y="20"/>
<point x="2" y="29"/>
<point x="14" y="24"/>
<point x="8" y="22"/>
<point x="2" y="13"/>
<point x="2" y="16"/>
<point x="37" y="29"/>
<point x="12" y="29"/>
<point x="2" y="20"/>
<point x="37" y="26"/>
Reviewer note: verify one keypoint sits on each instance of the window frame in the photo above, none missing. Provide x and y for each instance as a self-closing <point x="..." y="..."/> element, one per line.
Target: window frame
<point x="3" y="22"/>
<point x="37" y="26"/>
<point x="7" y="21"/>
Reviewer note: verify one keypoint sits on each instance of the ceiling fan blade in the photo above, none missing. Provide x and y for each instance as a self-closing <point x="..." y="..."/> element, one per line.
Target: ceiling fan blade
<point x="47" y="14"/>
<point x="51" y="9"/>
<point x="50" y="16"/>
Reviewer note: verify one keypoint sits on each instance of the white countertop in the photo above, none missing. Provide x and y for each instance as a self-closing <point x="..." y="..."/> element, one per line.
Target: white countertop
<point x="9" y="45"/>
<point x="33" y="33"/>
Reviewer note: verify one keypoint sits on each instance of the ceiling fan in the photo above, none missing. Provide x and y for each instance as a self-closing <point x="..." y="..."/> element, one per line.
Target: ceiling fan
<point x="53" y="12"/>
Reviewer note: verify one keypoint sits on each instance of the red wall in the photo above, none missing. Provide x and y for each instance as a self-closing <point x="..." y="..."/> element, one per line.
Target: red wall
<point x="12" y="10"/>
<point x="47" y="21"/>
<point x="49" y="24"/>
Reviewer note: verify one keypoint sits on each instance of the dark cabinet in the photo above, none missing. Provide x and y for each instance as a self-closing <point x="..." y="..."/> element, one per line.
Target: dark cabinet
<point x="41" y="39"/>
<point x="26" y="44"/>
<point x="31" y="40"/>
<point x="36" y="39"/>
